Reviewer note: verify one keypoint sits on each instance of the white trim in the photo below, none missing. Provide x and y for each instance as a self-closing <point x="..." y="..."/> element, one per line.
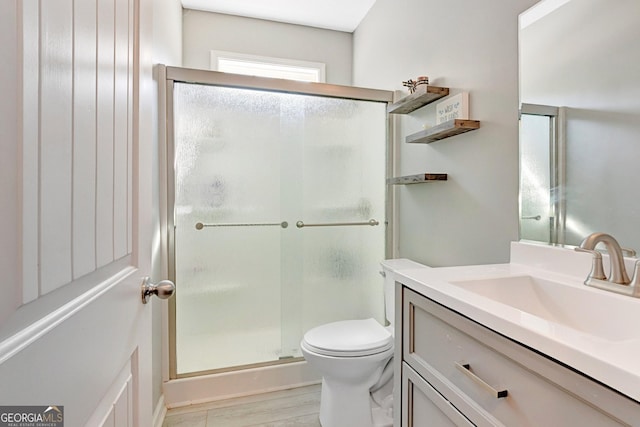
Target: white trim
<point x="25" y="337"/>
<point x="216" y="55"/>
<point x="227" y="385"/>
<point x="538" y="11"/>
<point x="160" y="412"/>
<point x="165" y="342"/>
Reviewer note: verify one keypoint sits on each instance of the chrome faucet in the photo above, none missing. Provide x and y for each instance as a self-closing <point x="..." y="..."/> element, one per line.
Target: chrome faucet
<point x="619" y="280"/>
<point x="618" y="271"/>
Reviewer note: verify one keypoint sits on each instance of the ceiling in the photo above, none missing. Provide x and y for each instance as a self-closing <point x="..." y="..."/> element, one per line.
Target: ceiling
<point x="337" y="15"/>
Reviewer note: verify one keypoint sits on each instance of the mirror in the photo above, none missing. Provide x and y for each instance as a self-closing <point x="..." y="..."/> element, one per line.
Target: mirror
<point x="580" y="121"/>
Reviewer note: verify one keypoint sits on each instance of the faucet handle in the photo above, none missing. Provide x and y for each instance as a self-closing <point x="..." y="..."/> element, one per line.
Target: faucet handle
<point x="597" y="270"/>
<point x="629" y="252"/>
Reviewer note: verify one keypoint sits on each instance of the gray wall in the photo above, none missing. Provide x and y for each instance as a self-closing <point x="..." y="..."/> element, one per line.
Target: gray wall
<point x="465" y="45"/>
<point x="167" y="49"/>
<point x="204" y="32"/>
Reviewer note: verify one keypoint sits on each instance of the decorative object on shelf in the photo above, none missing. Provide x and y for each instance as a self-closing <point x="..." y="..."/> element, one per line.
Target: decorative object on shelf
<point x="443" y="130"/>
<point x="452" y="114"/>
<point x="412" y="84"/>
<point x="417" y="179"/>
<point x="454" y="107"/>
<point x="424" y="94"/>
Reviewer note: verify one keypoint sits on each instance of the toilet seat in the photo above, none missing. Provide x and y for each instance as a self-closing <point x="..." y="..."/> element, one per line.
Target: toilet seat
<point x="349" y="338"/>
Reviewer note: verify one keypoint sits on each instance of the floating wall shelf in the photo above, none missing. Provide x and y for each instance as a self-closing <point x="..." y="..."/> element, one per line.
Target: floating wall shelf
<point x="443" y="130"/>
<point x="417" y="179"/>
<point x="423" y="95"/>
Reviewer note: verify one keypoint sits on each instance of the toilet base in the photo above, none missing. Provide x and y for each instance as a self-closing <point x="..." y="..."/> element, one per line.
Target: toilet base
<point x="382" y="417"/>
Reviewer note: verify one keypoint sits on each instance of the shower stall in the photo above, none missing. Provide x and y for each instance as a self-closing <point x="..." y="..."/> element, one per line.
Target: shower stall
<point x="276" y="217"/>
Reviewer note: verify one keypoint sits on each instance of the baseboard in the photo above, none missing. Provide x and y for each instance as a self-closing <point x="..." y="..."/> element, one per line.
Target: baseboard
<point x="228" y="385"/>
<point x="159" y="412"/>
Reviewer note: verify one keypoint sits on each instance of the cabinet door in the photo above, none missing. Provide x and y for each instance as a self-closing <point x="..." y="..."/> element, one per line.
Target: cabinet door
<point x="424" y="406"/>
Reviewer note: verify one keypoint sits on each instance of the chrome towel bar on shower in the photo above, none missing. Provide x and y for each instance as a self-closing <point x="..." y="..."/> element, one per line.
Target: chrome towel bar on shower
<point x="371" y="222"/>
<point x="283" y="224"/>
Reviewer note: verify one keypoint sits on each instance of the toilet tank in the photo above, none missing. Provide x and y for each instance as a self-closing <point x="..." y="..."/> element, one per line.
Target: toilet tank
<point x="389" y="269"/>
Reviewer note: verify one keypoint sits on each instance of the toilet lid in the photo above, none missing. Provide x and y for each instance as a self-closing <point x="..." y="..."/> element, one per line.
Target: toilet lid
<point x="349" y="338"/>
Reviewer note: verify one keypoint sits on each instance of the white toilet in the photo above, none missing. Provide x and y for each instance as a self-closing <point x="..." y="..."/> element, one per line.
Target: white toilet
<point x="355" y="360"/>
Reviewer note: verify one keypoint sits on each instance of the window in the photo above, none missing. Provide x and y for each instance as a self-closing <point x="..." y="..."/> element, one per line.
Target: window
<point x="264" y="66"/>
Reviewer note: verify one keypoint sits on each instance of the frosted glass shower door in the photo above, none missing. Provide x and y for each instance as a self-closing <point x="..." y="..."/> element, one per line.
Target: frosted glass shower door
<point x="227" y="178"/>
<point x="536" y="204"/>
<point x="250" y="164"/>
<point x="333" y="270"/>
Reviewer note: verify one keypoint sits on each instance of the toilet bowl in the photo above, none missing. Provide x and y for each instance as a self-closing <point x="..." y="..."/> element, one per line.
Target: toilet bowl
<point x="349" y="369"/>
<point x="355" y="360"/>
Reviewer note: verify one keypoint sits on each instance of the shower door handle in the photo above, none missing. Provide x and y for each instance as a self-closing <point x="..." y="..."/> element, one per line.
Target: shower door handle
<point x="164" y="289"/>
<point x="283" y="224"/>
<point x="371" y="222"/>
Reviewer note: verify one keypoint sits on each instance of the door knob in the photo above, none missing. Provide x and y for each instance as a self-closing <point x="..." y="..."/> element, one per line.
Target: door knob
<point x="163" y="289"/>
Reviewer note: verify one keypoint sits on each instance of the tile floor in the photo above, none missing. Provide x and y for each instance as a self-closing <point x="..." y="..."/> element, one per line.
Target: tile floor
<point x="287" y="408"/>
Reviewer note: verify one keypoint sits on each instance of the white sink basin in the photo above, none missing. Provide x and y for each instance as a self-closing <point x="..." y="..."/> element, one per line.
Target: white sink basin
<point x="595" y="312"/>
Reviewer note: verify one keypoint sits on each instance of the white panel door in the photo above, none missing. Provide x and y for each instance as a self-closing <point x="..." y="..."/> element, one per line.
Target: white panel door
<point x="75" y="197"/>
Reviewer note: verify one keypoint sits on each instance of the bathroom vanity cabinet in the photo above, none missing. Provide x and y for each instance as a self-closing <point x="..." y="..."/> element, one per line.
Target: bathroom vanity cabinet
<point x="456" y="372"/>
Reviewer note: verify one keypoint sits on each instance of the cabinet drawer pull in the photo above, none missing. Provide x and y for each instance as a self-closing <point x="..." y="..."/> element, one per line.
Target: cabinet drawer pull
<point x="466" y="369"/>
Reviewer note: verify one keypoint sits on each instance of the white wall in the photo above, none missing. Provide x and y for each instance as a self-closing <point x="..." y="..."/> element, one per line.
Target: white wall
<point x="167" y="50"/>
<point x="465" y="45"/>
<point x="167" y="32"/>
<point x="204" y="32"/>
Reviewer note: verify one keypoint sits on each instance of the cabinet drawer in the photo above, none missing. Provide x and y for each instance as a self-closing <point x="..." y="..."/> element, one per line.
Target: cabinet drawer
<point x="424" y="406"/>
<point x="470" y="364"/>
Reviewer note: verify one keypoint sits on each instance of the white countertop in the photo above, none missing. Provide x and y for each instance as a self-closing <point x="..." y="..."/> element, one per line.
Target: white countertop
<point x="614" y="361"/>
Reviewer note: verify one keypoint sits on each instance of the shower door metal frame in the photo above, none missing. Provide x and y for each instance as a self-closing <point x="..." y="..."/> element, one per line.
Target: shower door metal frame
<point x="167" y="77"/>
<point x="557" y="169"/>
